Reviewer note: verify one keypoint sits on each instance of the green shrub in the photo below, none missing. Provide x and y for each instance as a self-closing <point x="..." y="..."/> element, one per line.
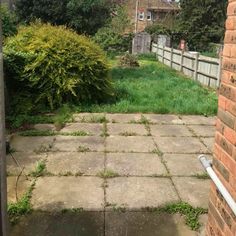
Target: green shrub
<point x="52" y="65"/>
<point x="8" y="22"/>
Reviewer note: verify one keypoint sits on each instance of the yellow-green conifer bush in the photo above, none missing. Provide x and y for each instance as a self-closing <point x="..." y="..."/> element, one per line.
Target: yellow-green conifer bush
<point x="52" y="65"/>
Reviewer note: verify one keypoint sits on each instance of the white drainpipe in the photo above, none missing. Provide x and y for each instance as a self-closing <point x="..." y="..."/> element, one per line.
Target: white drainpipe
<point x="228" y="198"/>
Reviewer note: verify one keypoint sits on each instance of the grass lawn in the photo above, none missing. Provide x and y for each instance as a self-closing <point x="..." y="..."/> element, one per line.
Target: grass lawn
<point x="155" y="88"/>
<point x="151" y="88"/>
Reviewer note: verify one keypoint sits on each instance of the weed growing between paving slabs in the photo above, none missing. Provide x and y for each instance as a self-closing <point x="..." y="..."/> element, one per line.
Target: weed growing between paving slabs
<point x="51" y="133"/>
<point x="107" y="174"/>
<point x="190" y="213"/>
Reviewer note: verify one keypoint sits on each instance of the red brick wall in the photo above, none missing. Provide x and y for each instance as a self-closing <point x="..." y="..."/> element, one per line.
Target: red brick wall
<point x="221" y="219"/>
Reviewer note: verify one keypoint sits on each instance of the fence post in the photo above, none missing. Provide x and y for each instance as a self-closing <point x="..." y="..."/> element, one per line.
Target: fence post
<point x="219" y="72"/>
<point x="196" y="66"/>
<point x="163" y="53"/>
<point x="157" y="48"/>
<point x="182" y="60"/>
<point x="171" y="57"/>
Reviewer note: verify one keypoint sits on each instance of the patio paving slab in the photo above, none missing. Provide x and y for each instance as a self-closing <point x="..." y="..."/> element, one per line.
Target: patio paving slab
<point x="163" y="119"/>
<point x="129" y="144"/>
<point x="145" y="224"/>
<point x="180" y="145"/>
<point x="123" y="118"/>
<point x="138" y="164"/>
<point x="32" y="144"/>
<point x="62" y="163"/>
<point x="45" y="127"/>
<point x="88" y="117"/>
<point x="140" y="192"/>
<point x="183" y="164"/>
<point x="203" y="130"/>
<point x="22" y="187"/>
<point x="170" y="130"/>
<point x="126" y="129"/>
<point x="75" y="144"/>
<point x="192" y="190"/>
<point x="209" y="142"/>
<point x="60" y="224"/>
<point x="58" y="193"/>
<point x="90" y="129"/>
<point x="198" y="120"/>
<point x="26" y="160"/>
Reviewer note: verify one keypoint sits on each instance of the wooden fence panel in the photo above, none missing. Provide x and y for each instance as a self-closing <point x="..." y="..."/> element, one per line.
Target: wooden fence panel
<point x="205" y="70"/>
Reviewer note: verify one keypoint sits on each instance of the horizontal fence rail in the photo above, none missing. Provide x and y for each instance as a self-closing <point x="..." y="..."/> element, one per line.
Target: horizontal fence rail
<point x="206" y="70"/>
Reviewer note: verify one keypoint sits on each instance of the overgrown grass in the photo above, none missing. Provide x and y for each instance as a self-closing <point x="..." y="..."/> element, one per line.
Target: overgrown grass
<point x="155" y="88"/>
<point x="151" y="88"/>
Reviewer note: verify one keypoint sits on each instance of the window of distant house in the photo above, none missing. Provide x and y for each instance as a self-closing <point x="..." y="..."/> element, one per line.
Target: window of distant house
<point x="141" y="15"/>
<point x="149" y="15"/>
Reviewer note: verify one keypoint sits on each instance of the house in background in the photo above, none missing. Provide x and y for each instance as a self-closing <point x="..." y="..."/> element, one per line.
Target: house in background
<point x="145" y="12"/>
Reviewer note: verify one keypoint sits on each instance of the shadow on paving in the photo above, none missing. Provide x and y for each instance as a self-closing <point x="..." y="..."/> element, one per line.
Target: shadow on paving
<point x="93" y="224"/>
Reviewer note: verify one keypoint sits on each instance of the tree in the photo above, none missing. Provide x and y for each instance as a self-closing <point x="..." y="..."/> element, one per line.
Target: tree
<point x="87" y="16"/>
<point x="84" y="16"/>
<point x="202" y="22"/>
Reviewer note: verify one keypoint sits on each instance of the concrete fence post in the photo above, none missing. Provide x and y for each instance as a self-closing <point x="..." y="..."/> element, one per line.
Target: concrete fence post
<point x="181" y="60"/>
<point x="196" y="66"/>
<point x="171" y="57"/>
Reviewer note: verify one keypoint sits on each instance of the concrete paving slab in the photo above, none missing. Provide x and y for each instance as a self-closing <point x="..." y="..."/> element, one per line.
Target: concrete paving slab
<point x="192" y="190"/>
<point x="135" y="164"/>
<point x="14" y="191"/>
<point x="203" y="219"/>
<point x="203" y="130"/>
<point x="26" y="160"/>
<point x="145" y="224"/>
<point x="163" y="119"/>
<point x="139" y="192"/>
<point x="123" y="118"/>
<point x="78" y="144"/>
<point x="56" y="194"/>
<point x="31" y="144"/>
<point x="60" y="224"/>
<point x="45" y="127"/>
<point x="199" y="120"/>
<point x="62" y="163"/>
<point x="88" y="117"/>
<point x="180" y="145"/>
<point x="90" y="129"/>
<point x="126" y="129"/>
<point x="183" y="164"/>
<point x="129" y="144"/>
<point x="170" y="130"/>
<point x="209" y="142"/>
